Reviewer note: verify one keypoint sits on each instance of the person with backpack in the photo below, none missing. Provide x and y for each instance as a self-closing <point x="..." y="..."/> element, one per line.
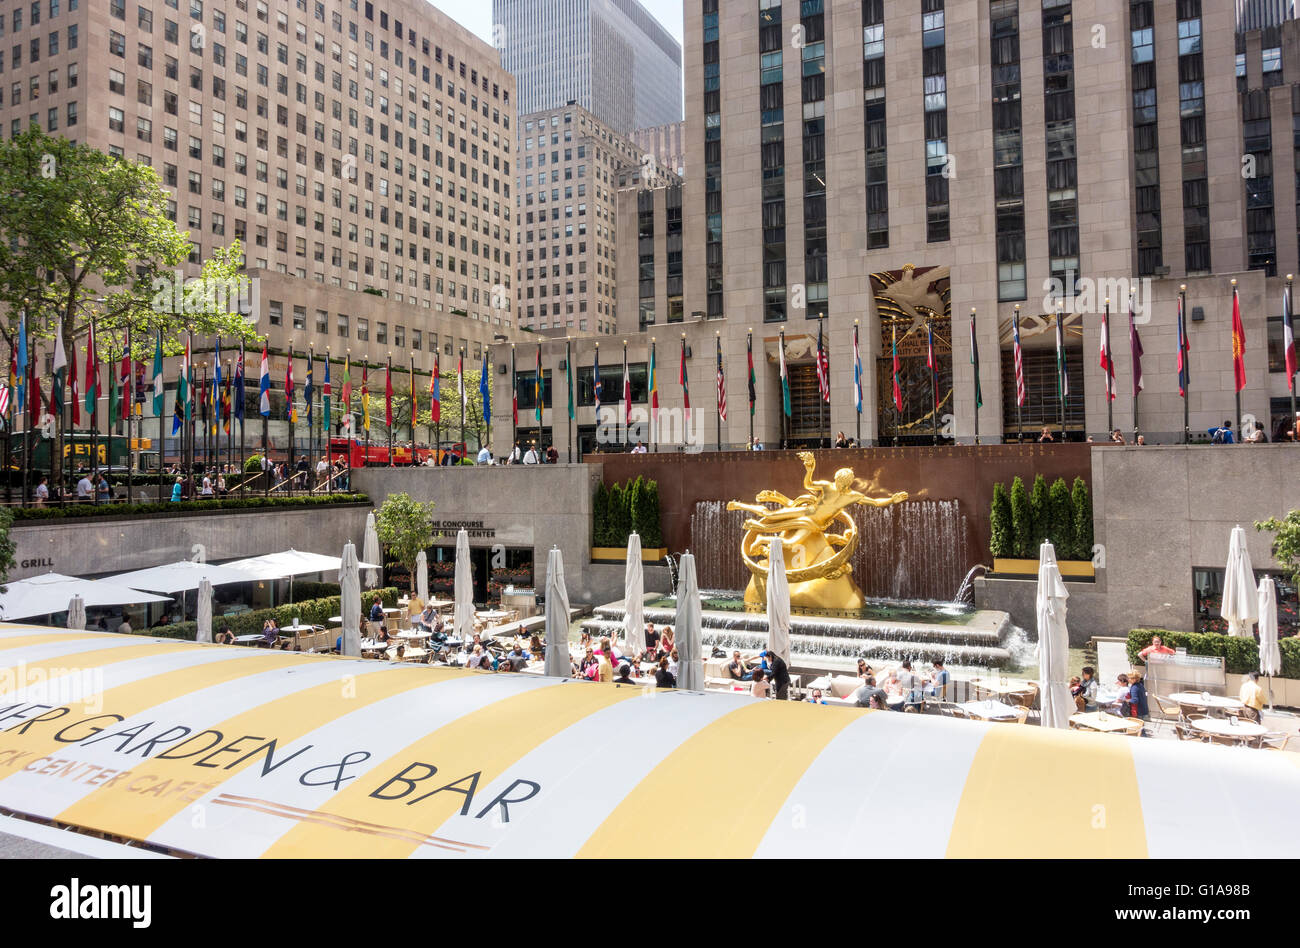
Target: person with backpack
<point x="1222" y="434"/>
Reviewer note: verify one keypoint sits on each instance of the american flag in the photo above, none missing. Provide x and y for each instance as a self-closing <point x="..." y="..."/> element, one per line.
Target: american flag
<point x="1107" y="360"/>
<point x="4" y="399"/>
<point x="1021" y="394"/>
<point x="823" y="367"/>
<point x="722" y="386"/>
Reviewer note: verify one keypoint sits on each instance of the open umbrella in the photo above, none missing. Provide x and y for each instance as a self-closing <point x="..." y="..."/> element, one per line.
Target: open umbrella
<point x="778" y="602"/>
<point x="1053" y="641"/>
<point x="350" y="592"/>
<point x="173" y="578"/>
<point x="370" y="550"/>
<point x="1270" y="655"/>
<point x="633" y="599"/>
<point x="51" y="593"/>
<point x="690" y="666"/>
<point x="77" y="613"/>
<point x="422" y="576"/>
<point x="463" y="621"/>
<point x="557" y="617"/>
<point x="1240" y="598"/>
<point x="204" y="633"/>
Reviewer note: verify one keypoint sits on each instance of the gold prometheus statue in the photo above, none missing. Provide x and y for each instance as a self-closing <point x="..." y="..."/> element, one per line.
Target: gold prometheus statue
<point x="816" y="557"/>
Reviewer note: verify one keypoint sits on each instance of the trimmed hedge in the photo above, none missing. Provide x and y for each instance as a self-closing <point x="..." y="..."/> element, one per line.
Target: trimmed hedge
<point x="181" y="507"/>
<point x="310" y="611"/>
<point x="1241" y="654"/>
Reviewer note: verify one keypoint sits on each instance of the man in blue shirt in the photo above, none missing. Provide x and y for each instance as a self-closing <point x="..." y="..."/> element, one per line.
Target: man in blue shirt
<point x="377" y="611"/>
<point x="484" y="455"/>
<point x="939" y="683"/>
<point x="1221" y="434"/>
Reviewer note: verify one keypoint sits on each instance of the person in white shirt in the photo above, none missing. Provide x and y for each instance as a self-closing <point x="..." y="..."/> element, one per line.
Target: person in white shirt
<point x="124" y="628"/>
<point x="484" y="455"/>
<point x="322" y="471"/>
<point x="206" y="490"/>
<point x="516" y="454"/>
<point x="85" y="489"/>
<point x="42" y="492"/>
<point x="639" y="449"/>
<point x="531" y="456"/>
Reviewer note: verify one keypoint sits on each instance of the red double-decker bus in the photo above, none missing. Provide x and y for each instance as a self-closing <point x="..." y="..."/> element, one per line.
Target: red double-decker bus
<point x="358" y="454"/>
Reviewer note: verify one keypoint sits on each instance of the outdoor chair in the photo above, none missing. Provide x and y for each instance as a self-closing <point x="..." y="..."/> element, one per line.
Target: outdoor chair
<point x="1274" y="740"/>
<point x="1169" y="709"/>
<point x="958" y="712"/>
<point x="1243" y="714"/>
<point x="1080" y="704"/>
<point x="1188" y="733"/>
<point x="1135" y="727"/>
<point x="1225" y="740"/>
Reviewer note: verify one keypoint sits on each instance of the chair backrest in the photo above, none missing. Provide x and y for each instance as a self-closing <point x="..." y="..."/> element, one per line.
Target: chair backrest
<point x="1275" y="740"/>
<point x="1225" y="739"/>
<point x="1080" y="703"/>
<point x="958" y="712"/>
<point x="1022" y="714"/>
<point x="1186" y="733"/>
<point x="1134" y="726"/>
<point x="1168" y="707"/>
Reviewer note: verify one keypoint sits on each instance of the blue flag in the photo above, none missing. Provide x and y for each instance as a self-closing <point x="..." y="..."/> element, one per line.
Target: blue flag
<point x="595" y="380"/>
<point x="239" y="385"/>
<point x="22" y="361"/>
<point x="483" y="391"/>
<point x="307" y="389"/>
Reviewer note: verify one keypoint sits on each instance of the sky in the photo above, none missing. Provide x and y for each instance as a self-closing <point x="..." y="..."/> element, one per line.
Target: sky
<point x="476" y="15"/>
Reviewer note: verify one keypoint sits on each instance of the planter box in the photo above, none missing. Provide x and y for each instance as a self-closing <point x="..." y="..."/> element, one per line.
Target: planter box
<point x="1070" y="569"/>
<point x="618" y="554"/>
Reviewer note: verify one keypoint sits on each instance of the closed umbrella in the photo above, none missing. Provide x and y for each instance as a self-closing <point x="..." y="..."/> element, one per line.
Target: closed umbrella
<point x="557" y="617"/>
<point x="350" y="592"/>
<point x="778" y="602"/>
<point x="204" y="633"/>
<point x="370" y="550"/>
<point x="690" y="666"/>
<point x="633" y="598"/>
<point x="1053" y="641"/>
<point x="422" y="576"/>
<point x="464" y="590"/>
<point x="1270" y="655"/>
<point x="77" y="613"/>
<point x="1240" y="597"/>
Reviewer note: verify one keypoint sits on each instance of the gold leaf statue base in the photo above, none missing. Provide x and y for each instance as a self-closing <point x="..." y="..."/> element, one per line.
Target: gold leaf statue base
<point x="817" y="560"/>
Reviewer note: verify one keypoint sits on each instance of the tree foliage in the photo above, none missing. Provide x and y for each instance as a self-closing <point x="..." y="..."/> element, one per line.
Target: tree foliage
<point x="1060" y="520"/>
<point x="1022" y="521"/>
<point x="1001" y="543"/>
<point x="405" y="527"/>
<point x="1039" y="513"/>
<point x="7" y="546"/>
<point x="1083" y="537"/>
<point x="1286" y="541"/>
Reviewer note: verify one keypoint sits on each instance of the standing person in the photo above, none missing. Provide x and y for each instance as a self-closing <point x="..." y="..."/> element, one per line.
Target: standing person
<point x="780" y="675"/>
<point x="102" y="490"/>
<point x="206" y="491"/>
<point x="758" y="444"/>
<point x="531" y="456"/>
<point x="516" y="455"/>
<point x="640" y="448"/>
<point x="1221" y="434"/>
<point x="1117" y="438"/>
<point x="1045" y="435"/>
<point x="1252" y="695"/>
<point x="552" y="455"/>
<point x="1137" y="697"/>
<point x="42" y="491"/>
<point x="322" y="471"/>
<point x="841" y="441"/>
<point x="1157" y="647"/>
<point x="85" y="489"/>
<point x="178" y="490"/>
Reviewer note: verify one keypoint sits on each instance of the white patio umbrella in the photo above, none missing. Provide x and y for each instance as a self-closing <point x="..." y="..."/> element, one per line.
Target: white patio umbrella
<point x="778" y="602"/>
<point x="181" y="577"/>
<point x="557" y="617"/>
<point x="350" y="600"/>
<point x="1053" y="641"/>
<point x="204" y="633"/>
<point x="1240" y="597"/>
<point x="77" y="613"/>
<point x="1270" y="655"/>
<point x="463" y="619"/>
<point x="633" y="599"/>
<point x="50" y="593"/>
<point x="422" y="576"/>
<point x="370" y="551"/>
<point x="690" y="666"/>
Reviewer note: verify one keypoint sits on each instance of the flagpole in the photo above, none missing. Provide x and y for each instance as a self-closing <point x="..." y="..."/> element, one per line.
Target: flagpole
<point x="1241" y="434"/>
<point x="9" y="424"/>
<point x="230" y="430"/>
<point x="974" y="354"/>
<point x="1110" y="402"/>
<point x="243" y="371"/>
<point x="464" y="402"/>
<point x="1183" y="356"/>
<point x="749" y="347"/>
<point x="857" y="384"/>
<point x="1020" y="425"/>
<point x="1289" y="323"/>
<point x="411" y="385"/>
<point x="189" y="408"/>
<point x="388" y="406"/>
<point x="27" y="419"/>
<point x="162" y="434"/>
<point x="1135" y="389"/>
<point x="784" y="383"/>
<point x="717" y="398"/>
<point x="934" y="382"/>
<point x="654" y="398"/>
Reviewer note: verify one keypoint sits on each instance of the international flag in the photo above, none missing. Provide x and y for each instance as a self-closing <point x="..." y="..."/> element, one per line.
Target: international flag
<point x="112" y="394"/>
<point x="60" y="371"/>
<point x="857" y="373"/>
<point x="785" y="380"/>
<point x="484" y="391"/>
<point x="1184" y="352"/>
<point x="74" y="393"/>
<point x="975" y="362"/>
<point x="347" y="386"/>
<point x="22" y="358"/>
<point x="365" y="397"/>
<point x="388" y="395"/>
<point x="537" y="388"/>
<point x="681" y="377"/>
<point x="158" y="387"/>
<point x="823" y="366"/>
<point x="291" y="408"/>
<point x="180" y="404"/>
<point x="91" y="380"/>
<point x="435" y="395"/>
<point x="514" y="388"/>
<point x="1135" y="347"/>
<point x="202" y="396"/>
<point x="216" y="386"/>
<point x="239" y="386"/>
<point x="931" y="361"/>
<point x="265" y="386"/>
<point x="225" y="404"/>
<point x="753" y="390"/>
<point x="6" y="388"/>
<point x="1107" y="359"/>
<point x="722" y="384"/>
<point x="1238" y="343"/>
<point x="568" y="373"/>
<point x="1288" y="340"/>
<point x="654" y="385"/>
<point x="35" y="398"/>
<point x="898" y="389"/>
<point x="309" y="389"/>
<point x="595" y="379"/>
<point x="627" y="388"/>
<point x="1019" y="356"/>
<point x="460" y="388"/>
<point x="1062" y="375"/>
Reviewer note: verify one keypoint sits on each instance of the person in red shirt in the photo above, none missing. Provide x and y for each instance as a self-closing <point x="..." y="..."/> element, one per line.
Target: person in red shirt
<point x="1157" y="647"/>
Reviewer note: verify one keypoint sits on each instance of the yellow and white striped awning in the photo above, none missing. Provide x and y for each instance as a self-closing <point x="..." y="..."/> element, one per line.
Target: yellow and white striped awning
<point x="222" y="751"/>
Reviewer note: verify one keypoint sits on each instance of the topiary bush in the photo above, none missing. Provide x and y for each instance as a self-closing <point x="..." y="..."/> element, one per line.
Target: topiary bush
<point x="1060" y="520"/>
<point x="1022" y="521"/>
<point x="1001" y="543"/>
<point x="1083" y="537"/>
<point x="1039" y="513"/>
<point x="600" y="516"/>
<point x="232" y="502"/>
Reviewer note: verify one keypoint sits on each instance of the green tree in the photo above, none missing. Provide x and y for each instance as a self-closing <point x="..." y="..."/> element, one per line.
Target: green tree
<point x="7" y="546"/>
<point x="1001" y="544"/>
<point x="635" y="504"/>
<point x="1286" y="542"/>
<point x="1022" y="521"/>
<point x="652" y="535"/>
<point x="1039" y="513"/>
<point x="405" y="527"/>
<point x="600" y="516"/>
<point x="1061" y="519"/>
<point x="619" y="521"/>
<point x="449" y="399"/>
<point x="1082" y="501"/>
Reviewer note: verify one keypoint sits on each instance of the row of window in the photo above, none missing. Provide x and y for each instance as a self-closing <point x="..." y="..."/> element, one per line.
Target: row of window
<point x="343" y="323"/>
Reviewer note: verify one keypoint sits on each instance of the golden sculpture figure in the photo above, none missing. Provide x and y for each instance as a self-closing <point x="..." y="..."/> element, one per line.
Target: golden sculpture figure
<point x="816" y="557"/>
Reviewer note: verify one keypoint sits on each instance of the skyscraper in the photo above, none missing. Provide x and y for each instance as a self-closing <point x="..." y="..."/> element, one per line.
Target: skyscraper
<point x="609" y="56"/>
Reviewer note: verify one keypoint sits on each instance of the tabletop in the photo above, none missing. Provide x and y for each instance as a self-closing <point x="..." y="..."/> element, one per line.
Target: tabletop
<point x="1229" y="727"/>
<point x="1205" y="701"/>
<point x="1001" y="686"/>
<point x="297" y="628"/>
<point x="491" y="615"/>
<point x="1098" y="721"/>
<point x="989" y="709"/>
<point x="413" y="635"/>
<point x="250" y="638"/>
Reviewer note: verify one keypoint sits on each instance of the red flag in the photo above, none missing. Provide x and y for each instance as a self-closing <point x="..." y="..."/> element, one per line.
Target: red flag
<point x="76" y="399"/>
<point x="685" y="382"/>
<point x="1107" y="359"/>
<point x="435" y="395"/>
<point x="288" y="388"/>
<point x="514" y="385"/>
<point x="388" y="396"/>
<point x="898" y="391"/>
<point x="124" y="380"/>
<point x="1238" y="343"/>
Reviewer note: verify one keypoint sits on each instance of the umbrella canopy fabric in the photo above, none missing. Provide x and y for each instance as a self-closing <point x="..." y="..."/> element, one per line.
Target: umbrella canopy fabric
<point x="690" y="665"/>
<point x="350" y="590"/>
<point x="1240" y="597"/>
<point x="180" y="577"/>
<point x="204" y="633"/>
<point x="557" y="617"/>
<point x="288" y="563"/>
<point x="463" y="620"/>
<point x="778" y="602"/>
<point x="1053" y="641"/>
<point x="370" y="550"/>
<point x="77" y="613"/>
<point x="633" y="599"/>
<point x="1270" y="654"/>
<point x="53" y="592"/>
<point x="422" y="576"/>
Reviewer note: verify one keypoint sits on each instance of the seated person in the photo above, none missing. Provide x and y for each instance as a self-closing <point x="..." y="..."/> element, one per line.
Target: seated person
<point x="738" y="669"/>
<point x="864" y="671"/>
<point x="377" y="610"/>
<point x="909" y="684"/>
<point x="666" y="640"/>
<point x="270" y="632"/>
<point x="587" y="667"/>
<point x="876" y="703"/>
<point x="383" y="634"/>
<point x="892" y="685"/>
<point x="651" y="639"/>
<point x="664" y="677"/>
<point x="535" y="648"/>
<point x="624" y="675"/>
<point x="1252" y="695"/>
<point x="761" y="687"/>
<point x="864" y="695"/>
<point x="399" y="654"/>
<point x="673" y="661"/>
<point x="226" y="637"/>
<point x="1088" y="687"/>
<point x="1157" y="647"/>
<point x="478" y="659"/>
<point x="424" y="619"/>
<point x="517" y="654"/>
<point x="817" y="697"/>
<point x="939" y="681"/>
<point x="1120" y="704"/>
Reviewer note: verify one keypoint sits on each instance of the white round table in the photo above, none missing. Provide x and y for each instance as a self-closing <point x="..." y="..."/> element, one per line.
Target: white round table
<point x="994" y="710"/>
<point x="1229" y="727"/>
<point x="1204" y="700"/>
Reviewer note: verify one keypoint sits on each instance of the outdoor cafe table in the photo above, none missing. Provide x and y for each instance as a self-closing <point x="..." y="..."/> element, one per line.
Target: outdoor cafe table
<point x="1229" y="727"/>
<point x="1099" y="721"/>
<point x="492" y="616"/>
<point x="1199" y="700"/>
<point x="294" y="629"/>
<point x="1001" y="686"/>
<point x="246" y="639"/>
<point x="413" y="635"/>
<point x="440" y="604"/>
<point x="994" y="710"/>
